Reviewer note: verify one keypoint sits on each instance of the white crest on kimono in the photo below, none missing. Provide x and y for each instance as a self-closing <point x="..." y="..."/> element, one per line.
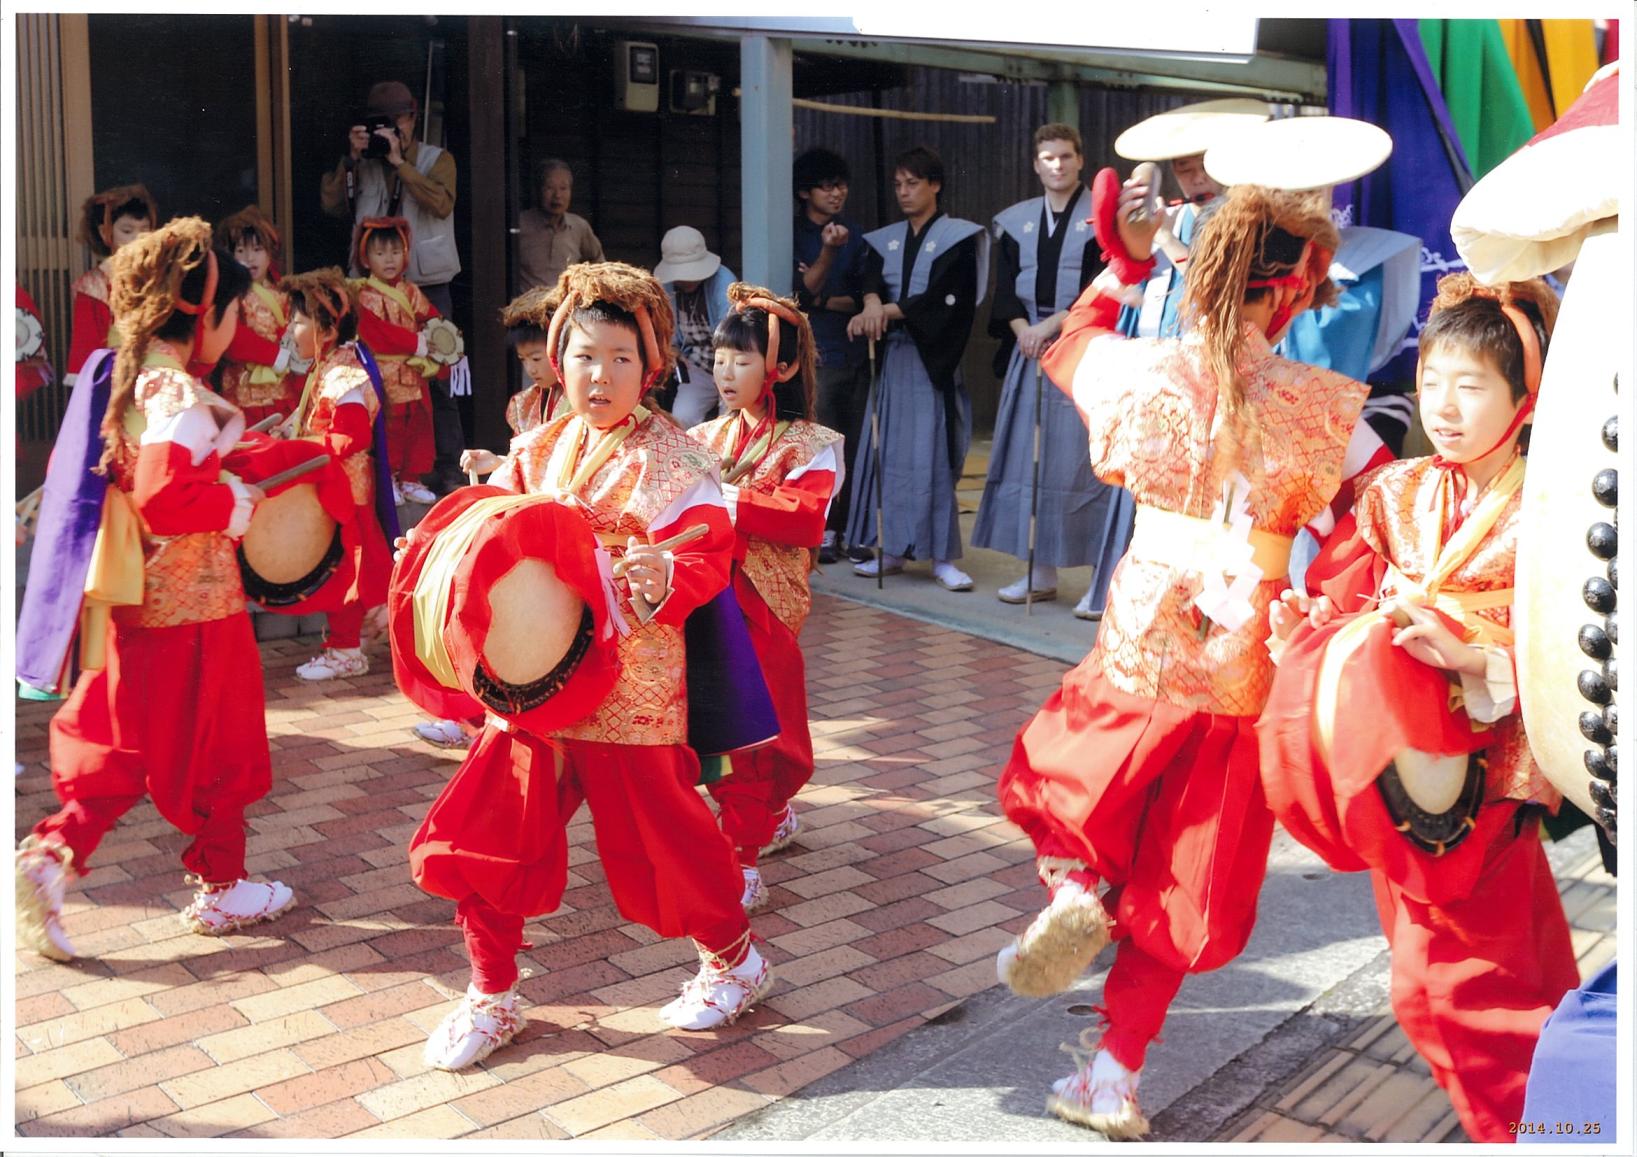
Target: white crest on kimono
<point x="1219" y="600"/>
<point x="1028" y="226"/>
<point x="930" y="246"/>
<point x="892" y="244"/>
<point x="949" y="299"/>
<point x="1079" y="226"/>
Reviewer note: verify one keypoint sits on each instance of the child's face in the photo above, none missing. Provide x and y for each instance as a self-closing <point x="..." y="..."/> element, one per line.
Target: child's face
<point x="536" y="365"/>
<point x="384" y="257"/>
<point x="311" y="339"/>
<point x="125" y="230"/>
<point x="602" y="372"/>
<point x="1466" y="403"/>
<point x="250" y="253"/>
<point x="739" y="376"/>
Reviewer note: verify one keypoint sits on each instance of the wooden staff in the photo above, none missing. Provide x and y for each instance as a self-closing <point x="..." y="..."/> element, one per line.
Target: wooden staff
<point x="874" y="405"/>
<point x="1034" y="491"/>
<point x="697" y="530"/>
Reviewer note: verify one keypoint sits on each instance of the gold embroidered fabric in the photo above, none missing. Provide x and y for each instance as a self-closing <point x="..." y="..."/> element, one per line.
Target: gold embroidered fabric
<point x="237" y="386"/>
<point x="652" y="468"/>
<point x="338" y="375"/>
<point x="403" y="383"/>
<point x="1398" y="516"/>
<point x="1151" y="409"/>
<point x="524" y="411"/>
<point x="94" y="284"/>
<point x="191" y="578"/>
<point x="777" y="570"/>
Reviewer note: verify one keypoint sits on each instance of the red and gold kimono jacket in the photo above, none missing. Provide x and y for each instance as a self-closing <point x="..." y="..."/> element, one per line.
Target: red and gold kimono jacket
<point x="252" y="373"/>
<point x="778" y="508"/>
<point x="390" y="318"/>
<point x="93" y="327"/>
<point x="531" y="407"/>
<point x="653" y="482"/>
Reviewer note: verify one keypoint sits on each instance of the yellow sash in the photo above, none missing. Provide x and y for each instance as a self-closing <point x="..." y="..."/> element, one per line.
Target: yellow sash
<point x="257" y="375"/>
<point x="430" y="601"/>
<point x="757" y="448"/>
<point x="560" y="467"/>
<point x="1183" y="541"/>
<point x="114" y="578"/>
<point x="422" y="365"/>
<point x="1458" y="605"/>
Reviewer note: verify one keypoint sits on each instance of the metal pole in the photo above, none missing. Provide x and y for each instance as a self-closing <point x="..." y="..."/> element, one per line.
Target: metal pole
<point x="1034" y="493"/>
<point x="874" y="406"/>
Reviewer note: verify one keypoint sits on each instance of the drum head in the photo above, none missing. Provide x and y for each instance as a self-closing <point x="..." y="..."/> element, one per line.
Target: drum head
<point x="536" y="617"/>
<point x="1433" y="799"/>
<point x="293" y="547"/>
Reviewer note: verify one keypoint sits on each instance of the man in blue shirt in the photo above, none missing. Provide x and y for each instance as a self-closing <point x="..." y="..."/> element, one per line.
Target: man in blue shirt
<point x="830" y="255"/>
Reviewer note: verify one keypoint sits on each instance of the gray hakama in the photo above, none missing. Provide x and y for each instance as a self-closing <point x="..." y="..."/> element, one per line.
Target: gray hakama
<point x="1080" y="520"/>
<point x="925" y="414"/>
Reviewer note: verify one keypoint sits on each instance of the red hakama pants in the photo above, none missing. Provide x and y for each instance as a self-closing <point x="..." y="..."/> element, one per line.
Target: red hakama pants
<point x="766" y="778"/>
<point x="495" y="841"/>
<point x="1474" y="980"/>
<point x="1163" y="804"/>
<point x="177" y="714"/>
<point x="410" y="446"/>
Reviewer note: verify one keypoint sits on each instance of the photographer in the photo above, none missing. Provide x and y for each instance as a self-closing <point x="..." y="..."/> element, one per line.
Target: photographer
<point x="388" y="173"/>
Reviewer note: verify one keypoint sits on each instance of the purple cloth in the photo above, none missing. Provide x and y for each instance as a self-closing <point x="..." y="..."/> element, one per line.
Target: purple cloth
<point x="729" y="707"/>
<point x="1379" y="73"/>
<point x="70" y="513"/>
<point x="385" y="509"/>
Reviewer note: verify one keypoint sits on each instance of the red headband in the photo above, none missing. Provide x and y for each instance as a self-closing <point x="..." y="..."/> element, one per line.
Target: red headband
<point x="195" y="308"/>
<point x="775" y="310"/>
<point x="1530" y="337"/>
<point x="645" y="327"/>
<point x="381" y="225"/>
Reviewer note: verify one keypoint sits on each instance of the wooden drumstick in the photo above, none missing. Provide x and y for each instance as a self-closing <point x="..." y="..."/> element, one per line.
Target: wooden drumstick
<point x="738" y="472"/>
<point x="697" y="530"/>
<point x="283" y="476"/>
<point x="265" y="424"/>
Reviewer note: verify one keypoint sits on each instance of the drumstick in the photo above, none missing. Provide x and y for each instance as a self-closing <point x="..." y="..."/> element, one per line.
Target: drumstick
<point x="697" y="530"/>
<point x="739" y="472"/>
<point x="266" y="423"/>
<point x="296" y="471"/>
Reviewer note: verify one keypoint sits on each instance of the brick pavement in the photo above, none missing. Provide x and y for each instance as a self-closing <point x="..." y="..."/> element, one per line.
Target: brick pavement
<point x="886" y="913"/>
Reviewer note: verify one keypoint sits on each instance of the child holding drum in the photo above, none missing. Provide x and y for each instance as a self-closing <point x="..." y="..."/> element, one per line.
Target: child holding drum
<point x="781" y="470"/>
<point x="1416" y="613"/>
<point x="341" y="408"/>
<point x="169" y="704"/>
<point x="636" y="480"/>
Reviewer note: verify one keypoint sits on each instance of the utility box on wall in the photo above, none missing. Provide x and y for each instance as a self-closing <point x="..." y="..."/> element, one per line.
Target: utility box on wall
<point x="636" y="76"/>
<point x="693" y="93"/>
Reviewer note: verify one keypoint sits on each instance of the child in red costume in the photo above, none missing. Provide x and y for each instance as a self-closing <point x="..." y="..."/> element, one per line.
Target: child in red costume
<point x="338" y="408"/>
<point x="174" y="709"/>
<point x="1141" y="772"/>
<point x="637" y="479"/>
<point x="1480" y="948"/>
<point x="786" y="469"/>
<point x="261" y="372"/>
<point x="109" y="221"/>
<point x="392" y="318"/>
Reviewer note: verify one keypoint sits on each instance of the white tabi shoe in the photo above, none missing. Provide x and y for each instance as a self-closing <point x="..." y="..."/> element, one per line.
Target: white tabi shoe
<point x="442" y="733"/>
<point x="415" y="492"/>
<point x="755" y="894"/>
<point x="229" y="907"/>
<point x="1082" y="609"/>
<point x="1057" y="946"/>
<point x="891" y="564"/>
<point x="1045" y="587"/>
<point x="951" y="577"/>
<point x="717" y="996"/>
<point x="42" y="878"/>
<point x="476" y="1027"/>
<point x="1101" y="1095"/>
<point x="784" y="834"/>
<point x="334" y="663"/>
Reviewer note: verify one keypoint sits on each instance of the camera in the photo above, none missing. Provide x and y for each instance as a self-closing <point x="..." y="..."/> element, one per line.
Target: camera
<point x="377" y="149"/>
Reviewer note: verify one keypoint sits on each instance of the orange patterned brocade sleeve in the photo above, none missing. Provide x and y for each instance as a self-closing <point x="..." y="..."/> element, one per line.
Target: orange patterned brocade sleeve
<point x="1151" y="409"/>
